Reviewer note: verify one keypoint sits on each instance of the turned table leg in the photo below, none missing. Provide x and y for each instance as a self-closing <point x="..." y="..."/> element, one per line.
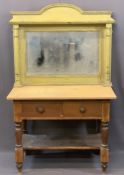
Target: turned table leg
<point x="19" y="148"/>
<point x="24" y="129"/>
<point x="104" y="151"/>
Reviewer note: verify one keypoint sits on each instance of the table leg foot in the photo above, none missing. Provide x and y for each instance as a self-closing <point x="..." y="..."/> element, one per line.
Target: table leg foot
<point x="104" y="166"/>
<point x="19" y="167"/>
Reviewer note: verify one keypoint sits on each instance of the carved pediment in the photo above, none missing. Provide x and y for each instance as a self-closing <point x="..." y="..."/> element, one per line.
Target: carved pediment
<point x="61" y="13"/>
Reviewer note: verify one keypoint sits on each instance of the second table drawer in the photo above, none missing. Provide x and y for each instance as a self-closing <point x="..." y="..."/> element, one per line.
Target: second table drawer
<point x="88" y="109"/>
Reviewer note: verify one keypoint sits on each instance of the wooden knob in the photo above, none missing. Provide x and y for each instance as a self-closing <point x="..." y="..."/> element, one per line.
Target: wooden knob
<point x="40" y="110"/>
<point x="61" y="115"/>
<point x="82" y="110"/>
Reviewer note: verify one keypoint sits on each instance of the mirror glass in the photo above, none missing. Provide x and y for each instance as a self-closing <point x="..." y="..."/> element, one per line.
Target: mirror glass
<point x="62" y="53"/>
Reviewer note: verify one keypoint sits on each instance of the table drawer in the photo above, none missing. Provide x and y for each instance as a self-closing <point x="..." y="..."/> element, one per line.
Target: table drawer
<point x="66" y="109"/>
<point x="82" y="109"/>
<point x="41" y="109"/>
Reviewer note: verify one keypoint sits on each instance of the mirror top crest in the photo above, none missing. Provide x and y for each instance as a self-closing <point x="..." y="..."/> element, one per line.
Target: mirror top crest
<point x="61" y="12"/>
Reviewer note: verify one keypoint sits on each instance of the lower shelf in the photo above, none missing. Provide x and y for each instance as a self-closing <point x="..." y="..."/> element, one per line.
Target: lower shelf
<point x="58" y="142"/>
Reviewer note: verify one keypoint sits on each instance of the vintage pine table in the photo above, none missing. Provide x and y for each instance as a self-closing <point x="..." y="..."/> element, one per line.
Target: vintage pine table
<point x="62" y="58"/>
<point x="62" y="103"/>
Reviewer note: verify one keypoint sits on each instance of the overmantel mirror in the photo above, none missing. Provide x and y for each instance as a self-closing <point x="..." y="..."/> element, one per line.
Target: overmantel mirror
<point x="62" y="44"/>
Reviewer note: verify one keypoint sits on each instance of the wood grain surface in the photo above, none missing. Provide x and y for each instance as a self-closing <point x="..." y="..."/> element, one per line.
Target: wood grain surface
<point x="61" y="92"/>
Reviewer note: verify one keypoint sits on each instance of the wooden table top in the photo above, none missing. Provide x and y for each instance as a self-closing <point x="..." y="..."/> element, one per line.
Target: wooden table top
<point x="61" y="92"/>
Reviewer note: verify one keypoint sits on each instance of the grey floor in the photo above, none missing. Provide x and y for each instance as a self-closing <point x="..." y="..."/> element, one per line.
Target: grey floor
<point x="61" y="166"/>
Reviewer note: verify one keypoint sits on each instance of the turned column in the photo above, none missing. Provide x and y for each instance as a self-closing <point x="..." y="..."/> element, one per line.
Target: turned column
<point x="104" y="146"/>
<point x="19" y="153"/>
<point x="104" y="150"/>
<point x="19" y="147"/>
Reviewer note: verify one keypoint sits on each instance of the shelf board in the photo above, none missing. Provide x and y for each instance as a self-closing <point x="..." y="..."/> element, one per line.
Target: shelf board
<point x="58" y="142"/>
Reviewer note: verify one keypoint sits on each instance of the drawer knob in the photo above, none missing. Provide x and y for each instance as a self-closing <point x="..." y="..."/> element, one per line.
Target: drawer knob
<point x="40" y="110"/>
<point x="82" y="110"/>
<point x="61" y="115"/>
